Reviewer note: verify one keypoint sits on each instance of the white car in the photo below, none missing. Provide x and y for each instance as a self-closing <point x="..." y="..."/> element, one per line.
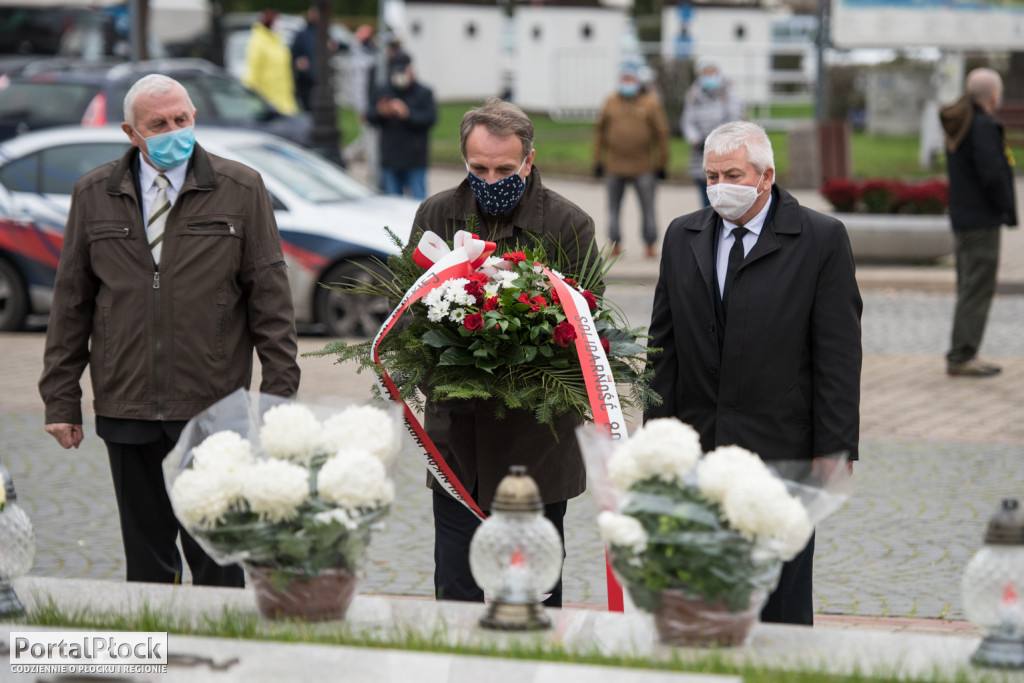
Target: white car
<point x="330" y="223"/>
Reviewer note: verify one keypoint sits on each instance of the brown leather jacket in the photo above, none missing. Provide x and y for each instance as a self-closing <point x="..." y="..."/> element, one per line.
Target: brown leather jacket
<point x="166" y="345"/>
<point x="478" y="446"/>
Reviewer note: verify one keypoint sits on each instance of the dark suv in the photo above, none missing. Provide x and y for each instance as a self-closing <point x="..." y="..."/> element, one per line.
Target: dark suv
<point x="58" y="92"/>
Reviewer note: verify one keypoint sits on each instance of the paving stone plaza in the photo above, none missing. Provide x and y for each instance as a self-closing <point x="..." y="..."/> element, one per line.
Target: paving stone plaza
<point x="938" y="454"/>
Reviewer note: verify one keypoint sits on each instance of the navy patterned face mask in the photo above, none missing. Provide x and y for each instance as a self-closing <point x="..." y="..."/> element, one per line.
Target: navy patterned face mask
<point x="498" y="198"/>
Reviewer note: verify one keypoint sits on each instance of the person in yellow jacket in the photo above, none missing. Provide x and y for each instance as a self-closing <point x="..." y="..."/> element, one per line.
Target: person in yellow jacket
<point x="269" y="65"/>
<point x="631" y="146"/>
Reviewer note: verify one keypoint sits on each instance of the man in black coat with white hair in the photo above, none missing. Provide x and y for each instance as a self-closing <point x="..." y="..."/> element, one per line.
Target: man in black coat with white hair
<point x="757" y="312"/>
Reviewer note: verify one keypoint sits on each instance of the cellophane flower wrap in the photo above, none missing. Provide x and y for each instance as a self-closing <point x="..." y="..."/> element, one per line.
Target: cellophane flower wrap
<point x="273" y="483"/>
<point x="501" y="333"/>
<point x="713" y="526"/>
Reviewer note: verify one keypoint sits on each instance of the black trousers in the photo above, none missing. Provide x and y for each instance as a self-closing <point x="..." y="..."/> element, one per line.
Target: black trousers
<point x="454" y="526"/>
<point x="149" y="528"/>
<point x="792" y="601"/>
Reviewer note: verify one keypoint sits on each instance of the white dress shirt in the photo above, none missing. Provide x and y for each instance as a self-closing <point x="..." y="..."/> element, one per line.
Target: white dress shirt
<point x="726" y="239"/>
<point x="147" y="181"/>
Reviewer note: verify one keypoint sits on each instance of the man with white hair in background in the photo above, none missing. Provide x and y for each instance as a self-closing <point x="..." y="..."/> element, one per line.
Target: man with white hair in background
<point x="170" y="275"/>
<point x="981" y="201"/>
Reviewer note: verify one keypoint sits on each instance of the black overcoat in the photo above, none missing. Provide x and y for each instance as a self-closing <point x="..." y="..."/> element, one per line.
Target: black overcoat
<point x="786" y="382"/>
<point x="981" y="183"/>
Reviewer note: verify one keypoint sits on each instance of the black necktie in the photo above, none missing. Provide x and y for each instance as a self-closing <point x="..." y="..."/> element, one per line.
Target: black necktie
<point x="735" y="259"/>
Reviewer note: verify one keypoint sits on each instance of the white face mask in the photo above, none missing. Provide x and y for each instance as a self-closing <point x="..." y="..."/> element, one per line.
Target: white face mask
<point x="732" y="201"/>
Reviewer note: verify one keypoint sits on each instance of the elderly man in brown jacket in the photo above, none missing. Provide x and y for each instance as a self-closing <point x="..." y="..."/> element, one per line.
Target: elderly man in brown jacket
<point x="631" y="146"/>
<point x="171" y="273"/>
<point x="504" y="192"/>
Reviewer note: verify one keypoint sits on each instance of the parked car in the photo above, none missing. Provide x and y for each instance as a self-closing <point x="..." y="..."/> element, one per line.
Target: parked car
<point x="58" y="92"/>
<point x="331" y="225"/>
<point x="28" y="29"/>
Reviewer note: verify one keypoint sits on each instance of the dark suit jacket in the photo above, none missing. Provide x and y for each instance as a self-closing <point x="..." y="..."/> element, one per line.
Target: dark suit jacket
<point x="786" y="382"/>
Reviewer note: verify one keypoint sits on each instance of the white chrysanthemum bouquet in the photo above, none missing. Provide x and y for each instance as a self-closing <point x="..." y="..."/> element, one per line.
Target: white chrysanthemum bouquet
<point x="714" y="527"/>
<point x="299" y="494"/>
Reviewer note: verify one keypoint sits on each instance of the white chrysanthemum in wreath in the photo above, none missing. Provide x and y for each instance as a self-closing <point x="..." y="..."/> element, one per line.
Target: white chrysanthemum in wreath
<point x="664" y="448"/>
<point x="275" y="489"/>
<point x="622" y="531"/>
<point x="365" y="427"/>
<point x="763" y="510"/>
<point x="224" y="450"/>
<point x="291" y="432"/>
<point x="355" y="479"/>
<point x="201" y="499"/>
<point x="720" y="469"/>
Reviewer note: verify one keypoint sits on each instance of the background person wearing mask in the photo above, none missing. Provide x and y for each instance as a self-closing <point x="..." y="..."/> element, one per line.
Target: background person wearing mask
<point x="269" y="65"/>
<point x="404" y="112"/>
<point x="631" y="146"/>
<point x="710" y="101"/>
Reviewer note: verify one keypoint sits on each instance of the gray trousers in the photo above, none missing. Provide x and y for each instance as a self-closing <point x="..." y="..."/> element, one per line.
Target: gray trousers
<point x="645" y="193"/>
<point x="977" y="261"/>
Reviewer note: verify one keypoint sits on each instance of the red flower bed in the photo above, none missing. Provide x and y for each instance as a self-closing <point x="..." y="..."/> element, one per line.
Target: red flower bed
<point x="876" y="195"/>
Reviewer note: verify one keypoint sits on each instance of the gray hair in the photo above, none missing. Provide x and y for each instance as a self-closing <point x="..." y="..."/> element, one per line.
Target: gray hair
<point x="982" y="83"/>
<point x="153" y="84"/>
<point x="500" y="118"/>
<point x="729" y="137"/>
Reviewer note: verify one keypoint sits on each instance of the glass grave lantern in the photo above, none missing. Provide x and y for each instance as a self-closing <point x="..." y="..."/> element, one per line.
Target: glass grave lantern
<point x="993" y="590"/>
<point x="516" y="556"/>
<point x="17" y="546"/>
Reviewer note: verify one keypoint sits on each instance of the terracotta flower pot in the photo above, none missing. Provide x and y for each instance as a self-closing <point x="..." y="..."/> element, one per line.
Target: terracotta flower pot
<point x="682" y="620"/>
<point x="324" y="597"/>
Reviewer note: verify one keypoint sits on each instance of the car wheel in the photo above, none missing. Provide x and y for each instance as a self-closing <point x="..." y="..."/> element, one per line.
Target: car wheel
<point x="13" y="298"/>
<point x="345" y="314"/>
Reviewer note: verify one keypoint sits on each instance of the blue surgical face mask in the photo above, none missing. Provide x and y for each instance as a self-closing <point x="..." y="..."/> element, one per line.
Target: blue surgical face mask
<point x="501" y="197"/>
<point x="629" y="89"/>
<point x="170" y="150"/>
<point x="711" y="83"/>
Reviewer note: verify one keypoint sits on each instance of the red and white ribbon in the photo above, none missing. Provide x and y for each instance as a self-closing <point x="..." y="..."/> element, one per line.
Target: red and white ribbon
<point x="444" y="264"/>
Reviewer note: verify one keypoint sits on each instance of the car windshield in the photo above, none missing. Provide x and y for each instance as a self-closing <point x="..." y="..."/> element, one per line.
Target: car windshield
<point x="46" y="101"/>
<point x="303" y="173"/>
<point x="233" y="102"/>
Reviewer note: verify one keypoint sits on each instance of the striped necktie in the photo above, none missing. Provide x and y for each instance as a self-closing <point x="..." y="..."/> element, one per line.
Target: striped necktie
<point x="158" y="217"/>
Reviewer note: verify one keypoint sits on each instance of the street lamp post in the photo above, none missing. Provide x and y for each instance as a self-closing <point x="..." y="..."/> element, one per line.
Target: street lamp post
<point x="326" y="138"/>
<point x="139" y="30"/>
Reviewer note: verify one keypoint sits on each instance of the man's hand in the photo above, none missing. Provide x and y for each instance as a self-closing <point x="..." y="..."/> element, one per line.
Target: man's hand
<point x="67" y="435"/>
<point x="661" y="174"/>
<point x="399" y="108"/>
<point x="598" y="170"/>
